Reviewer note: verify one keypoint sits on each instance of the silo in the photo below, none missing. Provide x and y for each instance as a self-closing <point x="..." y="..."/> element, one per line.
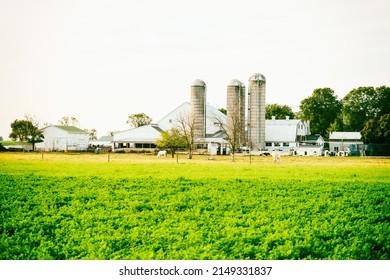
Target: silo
<point x="236" y="111"/>
<point x="198" y="108"/>
<point x="256" y="112"/>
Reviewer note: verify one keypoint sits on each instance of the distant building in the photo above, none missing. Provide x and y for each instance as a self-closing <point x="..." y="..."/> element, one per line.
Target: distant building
<point x="144" y="137"/>
<point x="285" y="134"/>
<point x="346" y="142"/>
<point x="63" y="138"/>
<point x="313" y="145"/>
<point x="104" y="141"/>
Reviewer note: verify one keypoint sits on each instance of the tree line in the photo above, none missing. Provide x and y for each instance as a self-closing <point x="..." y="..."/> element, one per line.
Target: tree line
<point x="364" y="109"/>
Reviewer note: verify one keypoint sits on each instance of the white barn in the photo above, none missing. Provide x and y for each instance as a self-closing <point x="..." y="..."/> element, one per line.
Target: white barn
<point x="285" y="134"/>
<point x="63" y="138"/>
<point x="144" y="137"/>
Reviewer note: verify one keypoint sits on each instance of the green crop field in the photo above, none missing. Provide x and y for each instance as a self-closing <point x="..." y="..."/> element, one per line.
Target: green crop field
<point x="125" y="206"/>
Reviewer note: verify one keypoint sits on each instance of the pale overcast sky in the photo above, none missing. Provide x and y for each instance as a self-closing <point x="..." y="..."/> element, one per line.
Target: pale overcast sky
<point x="100" y="61"/>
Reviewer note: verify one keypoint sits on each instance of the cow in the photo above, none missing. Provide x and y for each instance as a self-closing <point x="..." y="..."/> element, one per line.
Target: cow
<point x="276" y="156"/>
<point x="162" y="154"/>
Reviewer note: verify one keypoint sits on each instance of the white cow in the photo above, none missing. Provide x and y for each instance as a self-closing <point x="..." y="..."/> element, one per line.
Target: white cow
<point x="162" y="154"/>
<point x="276" y="156"/>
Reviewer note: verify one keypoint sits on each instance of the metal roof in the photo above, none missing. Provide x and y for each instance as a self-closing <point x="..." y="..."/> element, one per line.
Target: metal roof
<point x="343" y="135"/>
<point x="283" y="130"/>
<point x="235" y="82"/>
<point x="198" y="83"/>
<point x="69" y="128"/>
<point x="257" y="77"/>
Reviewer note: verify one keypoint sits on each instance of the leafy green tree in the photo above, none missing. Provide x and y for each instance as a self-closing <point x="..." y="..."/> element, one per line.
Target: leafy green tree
<point x="359" y="106"/>
<point x="279" y="111"/>
<point x="370" y="132"/>
<point x="382" y="100"/>
<point x="384" y="124"/>
<point x="337" y="125"/>
<point x="26" y="131"/>
<point x="321" y="109"/>
<point x="137" y="120"/>
<point x="377" y="131"/>
<point x="172" y="140"/>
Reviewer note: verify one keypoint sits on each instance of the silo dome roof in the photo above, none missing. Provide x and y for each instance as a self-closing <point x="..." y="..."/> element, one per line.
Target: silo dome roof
<point x="257" y="77"/>
<point x="234" y="82"/>
<point x="198" y="83"/>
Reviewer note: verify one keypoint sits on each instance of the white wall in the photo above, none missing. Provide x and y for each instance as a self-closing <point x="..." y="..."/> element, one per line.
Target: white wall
<point x="57" y="139"/>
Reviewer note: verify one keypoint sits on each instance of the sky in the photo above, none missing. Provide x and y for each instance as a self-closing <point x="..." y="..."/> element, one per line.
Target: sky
<point x="101" y="61"/>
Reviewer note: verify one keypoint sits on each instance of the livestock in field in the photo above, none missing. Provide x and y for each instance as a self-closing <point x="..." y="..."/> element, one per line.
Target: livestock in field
<point x="276" y="156"/>
<point x="162" y="154"/>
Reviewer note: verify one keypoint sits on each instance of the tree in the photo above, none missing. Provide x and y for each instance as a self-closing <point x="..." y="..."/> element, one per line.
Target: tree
<point x="384" y="124"/>
<point x="69" y="121"/>
<point x="137" y="120"/>
<point x="92" y="134"/>
<point x="337" y="125"/>
<point x="171" y="139"/>
<point x="359" y="106"/>
<point x="370" y="132"/>
<point x="382" y="100"/>
<point x="233" y="129"/>
<point x="321" y="109"/>
<point x="377" y="131"/>
<point x="186" y="125"/>
<point x="26" y="131"/>
<point x="279" y="111"/>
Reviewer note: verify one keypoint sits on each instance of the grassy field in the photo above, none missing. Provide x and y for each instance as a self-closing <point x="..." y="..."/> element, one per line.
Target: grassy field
<point x="126" y="206"/>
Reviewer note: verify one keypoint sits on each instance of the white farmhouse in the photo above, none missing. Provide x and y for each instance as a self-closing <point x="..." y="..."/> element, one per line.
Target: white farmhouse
<point x="63" y="138"/>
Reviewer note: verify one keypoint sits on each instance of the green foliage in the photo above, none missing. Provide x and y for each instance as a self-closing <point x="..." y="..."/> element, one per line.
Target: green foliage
<point x="279" y="111"/>
<point x="26" y="131"/>
<point x="377" y="132"/>
<point x="171" y="139"/>
<point x="358" y="108"/>
<point x="223" y="111"/>
<point x="321" y="109"/>
<point x="54" y="210"/>
<point x="382" y="100"/>
<point x="137" y="120"/>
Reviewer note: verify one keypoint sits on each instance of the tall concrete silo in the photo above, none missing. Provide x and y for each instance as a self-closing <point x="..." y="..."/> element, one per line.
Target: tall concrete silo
<point x="198" y="108"/>
<point x="256" y="112"/>
<point x="236" y="111"/>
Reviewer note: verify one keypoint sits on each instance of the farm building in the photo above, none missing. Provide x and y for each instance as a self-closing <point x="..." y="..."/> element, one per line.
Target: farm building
<point x="287" y="135"/>
<point x="346" y="143"/>
<point x="104" y="141"/>
<point x="144" y="137"/>
<point x="63" y="138"/>
<point x="313" y="145"/>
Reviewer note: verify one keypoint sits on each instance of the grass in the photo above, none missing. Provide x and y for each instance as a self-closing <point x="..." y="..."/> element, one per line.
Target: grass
<point x="222" y="168"/>
<point x="80" y="206"/>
